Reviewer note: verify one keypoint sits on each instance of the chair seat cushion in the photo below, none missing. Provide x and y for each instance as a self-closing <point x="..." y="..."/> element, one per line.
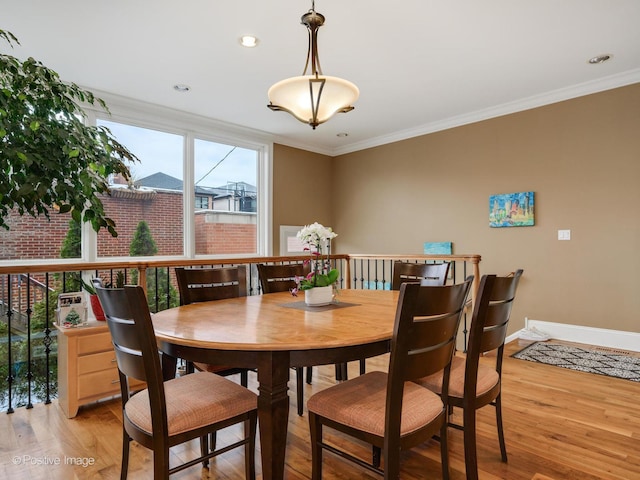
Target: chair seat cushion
<point x="487" y="379"/>
<point x="193" y="401"/>
<point x="360" y="403"/>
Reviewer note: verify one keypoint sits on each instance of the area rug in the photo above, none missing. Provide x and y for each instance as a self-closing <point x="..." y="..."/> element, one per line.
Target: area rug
<point x="583" y="359"/>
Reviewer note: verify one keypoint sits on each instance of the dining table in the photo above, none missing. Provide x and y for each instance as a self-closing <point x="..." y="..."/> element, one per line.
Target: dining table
<point x="271" y="333"/>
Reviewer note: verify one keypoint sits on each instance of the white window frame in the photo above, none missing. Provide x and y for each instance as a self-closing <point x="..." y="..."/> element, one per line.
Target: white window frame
<point x="144" y="115"/>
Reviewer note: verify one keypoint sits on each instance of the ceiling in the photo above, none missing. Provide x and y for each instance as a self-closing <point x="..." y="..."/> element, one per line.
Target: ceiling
<point x="420" y="65"/>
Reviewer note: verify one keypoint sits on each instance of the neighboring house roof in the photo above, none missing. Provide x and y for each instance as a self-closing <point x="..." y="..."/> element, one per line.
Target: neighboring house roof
<point x="160" y="180"/>
<point x="167" y="182"/>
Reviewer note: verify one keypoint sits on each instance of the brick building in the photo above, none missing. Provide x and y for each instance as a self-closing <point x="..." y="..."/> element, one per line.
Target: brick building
<point x="217" y="232"/>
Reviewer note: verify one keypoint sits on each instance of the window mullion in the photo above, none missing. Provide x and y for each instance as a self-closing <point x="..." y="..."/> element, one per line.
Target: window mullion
<point x="189" y="197"/>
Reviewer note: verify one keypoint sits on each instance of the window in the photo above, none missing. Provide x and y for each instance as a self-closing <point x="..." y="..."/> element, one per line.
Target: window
<point x="200" y="188"/>
<point x="227" y="174"/>
<point x="221" y="196"/>
<point x="202" y="201"/>
<point x="152" y="200"/>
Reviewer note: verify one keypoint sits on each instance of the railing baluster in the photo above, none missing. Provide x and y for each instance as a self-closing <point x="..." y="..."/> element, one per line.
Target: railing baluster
<point x="168" y="288"/>
<point x="9" y="356"/>
<point x="465" y="329"/>
<point x="376" y="279"/>
<point x="29" y="366"/>
<point x="47" y="343"/>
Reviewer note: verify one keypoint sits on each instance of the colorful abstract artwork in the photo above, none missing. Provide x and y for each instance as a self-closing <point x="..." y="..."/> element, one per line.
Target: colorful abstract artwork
<point x="511" y="210"/>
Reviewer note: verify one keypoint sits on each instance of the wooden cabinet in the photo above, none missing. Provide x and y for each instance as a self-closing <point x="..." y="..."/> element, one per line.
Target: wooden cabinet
<point x="87" y="369"/>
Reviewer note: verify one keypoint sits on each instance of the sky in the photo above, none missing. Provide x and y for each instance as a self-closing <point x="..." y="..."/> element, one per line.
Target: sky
<point x="215" y="163"/>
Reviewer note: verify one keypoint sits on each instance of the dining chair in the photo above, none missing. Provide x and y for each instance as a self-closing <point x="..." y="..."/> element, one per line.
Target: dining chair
<point x="281" y="278"/>
<point x="170" y="413"/>
<point x="426" y="273"/>
<point x="388" y="410"/>
<point x="476" y="381"/>
<point x="208" y="284"/>
<point x="432" y="274"/>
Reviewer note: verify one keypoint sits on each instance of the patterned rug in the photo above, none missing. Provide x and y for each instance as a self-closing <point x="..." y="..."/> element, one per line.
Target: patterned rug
<point x="594" y="360"/>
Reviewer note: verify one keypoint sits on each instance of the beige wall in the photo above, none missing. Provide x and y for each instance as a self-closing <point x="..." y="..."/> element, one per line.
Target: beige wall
<point x="301" y="189"/>
<point x="580" y="157"/>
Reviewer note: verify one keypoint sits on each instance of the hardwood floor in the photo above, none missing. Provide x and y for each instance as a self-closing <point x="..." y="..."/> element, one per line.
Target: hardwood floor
<point x="559" y="425"/>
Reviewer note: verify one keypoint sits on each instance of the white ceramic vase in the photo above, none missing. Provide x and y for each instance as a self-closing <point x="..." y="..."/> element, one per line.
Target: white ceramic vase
<point x="318" y="296"/>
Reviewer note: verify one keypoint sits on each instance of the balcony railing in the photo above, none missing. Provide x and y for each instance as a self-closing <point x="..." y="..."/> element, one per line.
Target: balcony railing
<point x="28" y="301"/>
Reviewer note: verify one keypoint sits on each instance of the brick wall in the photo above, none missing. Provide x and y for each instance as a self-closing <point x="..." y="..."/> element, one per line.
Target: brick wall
<point x="216" y="233"/>
<point x="30" y="237"/>
<point x="161" y="210"/>
<point x="215" y="237"/>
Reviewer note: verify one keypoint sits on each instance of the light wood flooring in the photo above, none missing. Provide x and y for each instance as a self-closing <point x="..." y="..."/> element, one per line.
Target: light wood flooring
<point x="559" y="425"/>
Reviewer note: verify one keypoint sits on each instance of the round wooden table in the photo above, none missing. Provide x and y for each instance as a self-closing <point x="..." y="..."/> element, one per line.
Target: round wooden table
<point x="272" y="333"/>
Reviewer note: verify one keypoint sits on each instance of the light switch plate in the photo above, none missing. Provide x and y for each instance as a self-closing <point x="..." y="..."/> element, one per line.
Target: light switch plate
<point x="564" y="234"/>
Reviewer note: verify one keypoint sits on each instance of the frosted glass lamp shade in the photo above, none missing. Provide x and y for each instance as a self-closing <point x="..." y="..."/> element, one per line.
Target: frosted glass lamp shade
<point x="313" y="99"/>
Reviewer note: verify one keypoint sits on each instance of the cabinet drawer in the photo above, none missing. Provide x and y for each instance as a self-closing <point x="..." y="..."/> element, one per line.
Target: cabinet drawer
<point x="97" y="362"/>
<point x="100" y="342"/>
<point x="103" y="384"/>
<point x="96" y="384"/>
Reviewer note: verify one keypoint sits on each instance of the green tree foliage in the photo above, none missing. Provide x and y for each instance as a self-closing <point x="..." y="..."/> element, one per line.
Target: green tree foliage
<point x="41" y="314"/>
<point x="72" y="248"/>
<point x="143" y="243"/>
<point x="160" y="293"/>
<point x="48" y="156"/>
<point x="72" y="243"/>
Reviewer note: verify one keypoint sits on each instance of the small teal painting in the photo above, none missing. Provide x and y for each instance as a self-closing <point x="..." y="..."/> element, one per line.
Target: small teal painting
<point x="511" y="210"/>
<point x="437" y="248"/>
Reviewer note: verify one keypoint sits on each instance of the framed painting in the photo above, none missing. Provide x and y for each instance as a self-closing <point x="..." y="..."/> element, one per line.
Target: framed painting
<point x="511" y="210"/>
<point x="289" y="243"/>
<point x="437" y="248"/>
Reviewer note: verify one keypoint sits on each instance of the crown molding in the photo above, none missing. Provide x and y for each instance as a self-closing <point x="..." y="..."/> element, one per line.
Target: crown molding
<point x="579" y="90"/>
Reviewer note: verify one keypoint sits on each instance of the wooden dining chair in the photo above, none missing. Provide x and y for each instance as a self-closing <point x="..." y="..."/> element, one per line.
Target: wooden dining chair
<point x="281" y="278"/>
<point x="208" y="284"/>
<point x="426" y="273"/>
<point x="475" y="383"/>
<point x="432" y="274"/>
<point x="387" y="410"/>
<point x="170" y="413"/>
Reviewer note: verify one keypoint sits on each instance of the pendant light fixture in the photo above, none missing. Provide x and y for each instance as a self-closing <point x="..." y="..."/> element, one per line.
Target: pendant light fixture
<point x="313" y="98"/>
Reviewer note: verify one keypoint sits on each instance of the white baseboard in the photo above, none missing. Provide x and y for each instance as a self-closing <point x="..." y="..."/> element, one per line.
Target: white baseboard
<point x="592" y="336"/>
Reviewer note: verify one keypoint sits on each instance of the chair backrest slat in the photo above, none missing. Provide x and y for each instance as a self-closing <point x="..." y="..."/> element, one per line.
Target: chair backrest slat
<point x="432" y="274"/>
<point x="495" y="325"/>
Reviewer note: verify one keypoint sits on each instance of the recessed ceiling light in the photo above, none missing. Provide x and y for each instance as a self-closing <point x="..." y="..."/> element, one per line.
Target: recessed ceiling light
<point x="600" y="59"/>
<point x="182" y="88"/>
<point x="342" y="134"/>
<point x="248" y="41"/>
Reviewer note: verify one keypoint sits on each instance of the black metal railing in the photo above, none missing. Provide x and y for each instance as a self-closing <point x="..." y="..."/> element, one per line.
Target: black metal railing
<point x="29" y="297"/>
